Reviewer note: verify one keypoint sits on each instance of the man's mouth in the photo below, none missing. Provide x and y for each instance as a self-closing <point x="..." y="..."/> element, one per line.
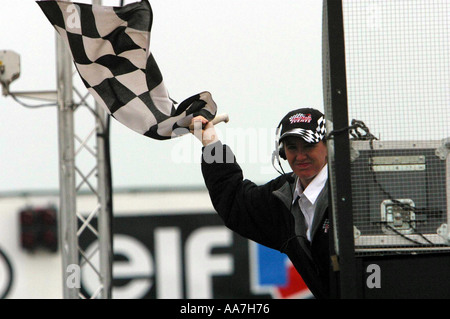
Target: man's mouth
<point x="303" y="165"/>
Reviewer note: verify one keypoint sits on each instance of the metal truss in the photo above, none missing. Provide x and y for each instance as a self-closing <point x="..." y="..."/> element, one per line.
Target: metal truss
<point x="84" y="168"/>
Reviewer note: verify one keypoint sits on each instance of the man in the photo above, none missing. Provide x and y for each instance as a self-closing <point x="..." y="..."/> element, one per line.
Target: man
<point x="289" y="213"/>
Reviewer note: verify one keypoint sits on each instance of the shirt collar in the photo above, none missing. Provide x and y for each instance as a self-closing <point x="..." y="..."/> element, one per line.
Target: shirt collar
<point x="314" y="188"/>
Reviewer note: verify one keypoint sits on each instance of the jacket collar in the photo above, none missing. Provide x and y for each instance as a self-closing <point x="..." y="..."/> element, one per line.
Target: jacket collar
<point x="285" y="193"/>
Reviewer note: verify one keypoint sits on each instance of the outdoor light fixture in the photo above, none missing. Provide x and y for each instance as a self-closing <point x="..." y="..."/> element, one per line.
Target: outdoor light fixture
<point x="10" y="71"/>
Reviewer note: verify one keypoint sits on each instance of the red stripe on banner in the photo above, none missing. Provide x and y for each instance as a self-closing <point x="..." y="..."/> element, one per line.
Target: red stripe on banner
<point x="295" y="284"/>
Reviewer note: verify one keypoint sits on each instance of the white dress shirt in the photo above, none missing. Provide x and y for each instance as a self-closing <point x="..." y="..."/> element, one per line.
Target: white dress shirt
<point x="307" y="198"/>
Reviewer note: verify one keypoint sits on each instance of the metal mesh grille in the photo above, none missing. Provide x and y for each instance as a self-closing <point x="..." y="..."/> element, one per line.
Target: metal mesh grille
<point x="398" y="80"/>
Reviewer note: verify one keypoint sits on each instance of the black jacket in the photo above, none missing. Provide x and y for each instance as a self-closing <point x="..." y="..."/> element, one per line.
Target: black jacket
<point x="265" y="215"/>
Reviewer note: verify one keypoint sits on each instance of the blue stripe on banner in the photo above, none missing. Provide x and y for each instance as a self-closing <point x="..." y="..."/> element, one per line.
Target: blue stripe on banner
<point x="271" y="267"/>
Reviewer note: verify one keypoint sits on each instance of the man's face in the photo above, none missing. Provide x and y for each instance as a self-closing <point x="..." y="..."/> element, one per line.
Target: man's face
<point x="306" y="160"/>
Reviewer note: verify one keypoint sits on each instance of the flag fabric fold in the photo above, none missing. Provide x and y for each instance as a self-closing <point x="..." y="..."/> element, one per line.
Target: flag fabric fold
<point x="110" y="47"/>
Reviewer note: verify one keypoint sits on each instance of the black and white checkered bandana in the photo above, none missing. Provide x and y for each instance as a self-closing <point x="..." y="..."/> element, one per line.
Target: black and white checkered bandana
<point x="110" y="47"/>
<point x="306" y="123"/>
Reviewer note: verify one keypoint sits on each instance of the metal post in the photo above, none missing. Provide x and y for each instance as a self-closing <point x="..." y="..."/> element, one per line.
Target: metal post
<point x="103" y="182"/>
<point x="342" y="201"/>
<point x="104" y="216"/>
<point x="68" y="219"/>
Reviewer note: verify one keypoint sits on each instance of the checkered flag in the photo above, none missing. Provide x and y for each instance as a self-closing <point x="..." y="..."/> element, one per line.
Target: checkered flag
<point x="315" y="136"/>
<point x="110" y="47"/>
<point x="321" y="128"/>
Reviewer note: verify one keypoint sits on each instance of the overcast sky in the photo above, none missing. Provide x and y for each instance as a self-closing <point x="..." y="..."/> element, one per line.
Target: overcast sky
<point x="258" y="58"/>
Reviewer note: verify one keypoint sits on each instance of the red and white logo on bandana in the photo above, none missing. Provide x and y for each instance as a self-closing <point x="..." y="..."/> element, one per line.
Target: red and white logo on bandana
<point x="300" y="118"/>
<point x="326" y="226"/>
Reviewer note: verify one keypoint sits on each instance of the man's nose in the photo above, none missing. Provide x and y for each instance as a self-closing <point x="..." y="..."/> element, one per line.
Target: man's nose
<point x="300" y="154"/>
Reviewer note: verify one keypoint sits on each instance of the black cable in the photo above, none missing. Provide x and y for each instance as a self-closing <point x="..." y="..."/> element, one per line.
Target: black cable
<point x="420" y="234"/>
<point x="31" y="106"/>
<point x="403" y="206"/>
<point x="109" y="173"/>
<point x="286" y="243"/>
<point x="353" y="131"/>
<point x="106" y="137"/>
<point x="107" y="147"/>
<point x="402" y="235"/>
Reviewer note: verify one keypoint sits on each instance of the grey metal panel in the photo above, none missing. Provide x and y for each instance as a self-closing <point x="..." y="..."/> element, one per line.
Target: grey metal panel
<point x="410" y="172"/>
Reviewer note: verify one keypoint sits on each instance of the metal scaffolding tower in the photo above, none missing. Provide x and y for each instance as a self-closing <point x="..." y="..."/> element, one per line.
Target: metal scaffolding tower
<point x="84" y="167"/>
<point x="74" y="178"/>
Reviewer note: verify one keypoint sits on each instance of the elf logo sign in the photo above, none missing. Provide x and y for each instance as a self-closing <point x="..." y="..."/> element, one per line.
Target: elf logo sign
<point x="191" y="256"/>
<point x="174" y="256"/>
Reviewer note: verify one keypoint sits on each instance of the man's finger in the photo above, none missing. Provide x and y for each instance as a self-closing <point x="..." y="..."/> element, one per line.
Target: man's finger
<point x="198" y="129"/>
